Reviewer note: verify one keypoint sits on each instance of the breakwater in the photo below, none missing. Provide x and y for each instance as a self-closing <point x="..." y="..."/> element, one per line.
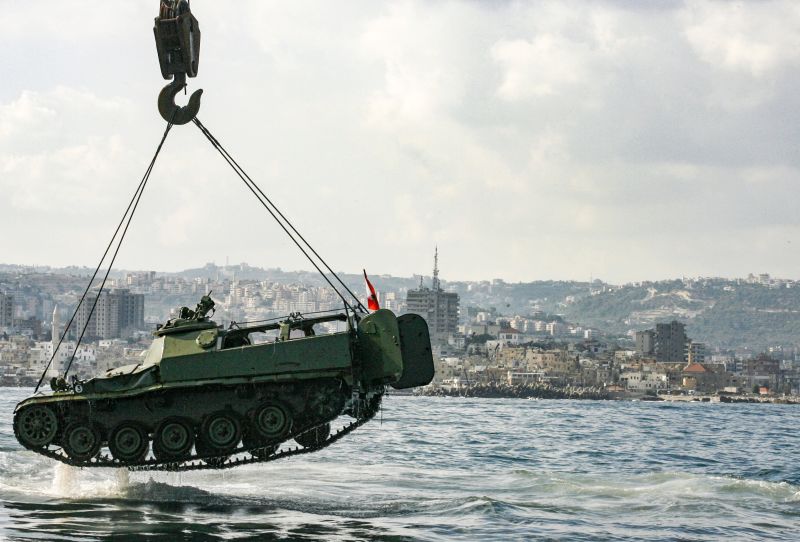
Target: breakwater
<point x="521" y="391"/>
<point x="794" y="400"/>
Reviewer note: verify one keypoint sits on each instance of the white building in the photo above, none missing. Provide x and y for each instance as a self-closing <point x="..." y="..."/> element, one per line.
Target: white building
<point x="644" y="381"/>
<point x="509" y="335"/>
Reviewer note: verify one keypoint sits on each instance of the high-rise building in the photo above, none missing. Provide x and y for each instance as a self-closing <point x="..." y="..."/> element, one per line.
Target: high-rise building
<point x="6" y="310"/>
<point x="645" y="342"/>
<point x="117" y="313"/>
<point x="671" y="342"/>
<point x="667" y="342"/>
<point x="439" y="308"/>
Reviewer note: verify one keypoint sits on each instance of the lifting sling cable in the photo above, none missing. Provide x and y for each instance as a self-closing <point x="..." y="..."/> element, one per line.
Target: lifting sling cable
<point x="272" y="209"/>
<point x="132" y="205"/>
<point x="119" y="245"/>
<point x="243" y="176"/>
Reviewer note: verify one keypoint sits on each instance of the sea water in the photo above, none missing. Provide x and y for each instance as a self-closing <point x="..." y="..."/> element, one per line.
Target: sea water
<point x="449" y="469"/>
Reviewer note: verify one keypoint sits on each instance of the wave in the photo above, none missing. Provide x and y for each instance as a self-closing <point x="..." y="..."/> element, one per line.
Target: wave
<point x="662" y="486"/>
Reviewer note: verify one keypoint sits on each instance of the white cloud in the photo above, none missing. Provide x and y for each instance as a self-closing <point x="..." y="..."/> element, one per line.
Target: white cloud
<point x="422" y="56"/>
<point x="22" y="115"/>
<point x="756" y="38"/>
<point x="530" y="140"/>
<point x="53" y="158"/>
<point x="541" y="67"/>
<point x="63" y="20"/>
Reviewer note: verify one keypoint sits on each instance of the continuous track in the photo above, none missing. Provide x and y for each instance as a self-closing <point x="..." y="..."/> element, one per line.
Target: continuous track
<point x="239" y="456"/>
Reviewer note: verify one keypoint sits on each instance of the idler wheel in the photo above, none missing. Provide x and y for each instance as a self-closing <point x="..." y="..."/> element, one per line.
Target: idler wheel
<point x="129" y="442"/>
<point x="326" y="400"/>
<point x="35" y="426"/>
<point x="172" y="440"/>
<point x="272" y="421"/>
<point x="315" y="437"/>
<point x="221" y="431"/>
<point x="81" y="440"/>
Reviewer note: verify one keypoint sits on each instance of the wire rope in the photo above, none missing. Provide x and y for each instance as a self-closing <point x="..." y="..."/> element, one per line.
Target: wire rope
<point x="273" y="210"/>
<point x="128" y="214"/>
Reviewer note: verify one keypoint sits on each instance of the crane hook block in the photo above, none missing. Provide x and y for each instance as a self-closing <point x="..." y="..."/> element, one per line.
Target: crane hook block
<point x="177" y="39"/>
<point x="177" y="34"/>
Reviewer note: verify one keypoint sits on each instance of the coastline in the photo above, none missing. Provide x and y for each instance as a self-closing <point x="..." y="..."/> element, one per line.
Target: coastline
<point x="483" y="391"/>
<point x="504" y="391"/>
<point x="519" y="391"/>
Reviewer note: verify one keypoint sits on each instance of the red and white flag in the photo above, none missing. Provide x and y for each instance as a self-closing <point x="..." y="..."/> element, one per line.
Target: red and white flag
<point x="372" y="297"/>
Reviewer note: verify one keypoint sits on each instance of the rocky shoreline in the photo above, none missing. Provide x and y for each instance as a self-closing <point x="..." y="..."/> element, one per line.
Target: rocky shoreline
<point x="547" y="391"/>
<point x="521" y="391"/>
<point x="773" y="400"/>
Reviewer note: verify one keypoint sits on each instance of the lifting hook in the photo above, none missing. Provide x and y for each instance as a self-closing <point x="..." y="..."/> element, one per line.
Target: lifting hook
<point x="177" y="34"/>
<point x="172" y="112"/>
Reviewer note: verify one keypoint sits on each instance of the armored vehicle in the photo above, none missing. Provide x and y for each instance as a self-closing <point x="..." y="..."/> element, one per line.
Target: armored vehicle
<point x="207" y="397"/>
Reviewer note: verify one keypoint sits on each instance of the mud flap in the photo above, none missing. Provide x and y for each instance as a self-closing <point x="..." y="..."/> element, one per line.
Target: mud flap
<point x="415" y="345"/>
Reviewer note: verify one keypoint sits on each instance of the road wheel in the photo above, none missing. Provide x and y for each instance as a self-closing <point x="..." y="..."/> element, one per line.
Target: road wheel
<point x="35" y="426"/>
<point x="81" y="440"/>
<point x="129" y="442"/>
<point x="272" y="421"/>
<point x="173" y="440"/>
<point x="315" y="437"/>
<point x="221" y="431"/>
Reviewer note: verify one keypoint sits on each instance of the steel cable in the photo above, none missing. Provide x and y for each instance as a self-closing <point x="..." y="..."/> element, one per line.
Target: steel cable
<point x="129" y="211"/>
<point x="272" y="209"/>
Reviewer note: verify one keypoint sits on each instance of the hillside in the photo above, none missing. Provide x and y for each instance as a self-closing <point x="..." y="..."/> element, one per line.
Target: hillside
<point x="733" y="314"/>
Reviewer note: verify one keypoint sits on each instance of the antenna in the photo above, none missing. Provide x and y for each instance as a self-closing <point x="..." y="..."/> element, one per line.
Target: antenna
<point x="436" y="268"/>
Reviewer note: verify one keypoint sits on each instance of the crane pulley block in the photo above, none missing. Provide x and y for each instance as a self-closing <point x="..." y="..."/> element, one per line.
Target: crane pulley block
<point x="177" y="35"/>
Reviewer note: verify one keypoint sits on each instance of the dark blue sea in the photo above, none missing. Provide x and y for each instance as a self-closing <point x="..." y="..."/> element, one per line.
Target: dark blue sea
<point x="450" y="469"/>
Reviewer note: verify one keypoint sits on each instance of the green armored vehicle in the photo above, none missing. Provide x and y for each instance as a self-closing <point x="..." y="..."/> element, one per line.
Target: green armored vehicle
<point x="208" y="397"/>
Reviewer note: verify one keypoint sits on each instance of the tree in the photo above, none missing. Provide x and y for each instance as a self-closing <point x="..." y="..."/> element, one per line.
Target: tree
<point x="480" y="339"/>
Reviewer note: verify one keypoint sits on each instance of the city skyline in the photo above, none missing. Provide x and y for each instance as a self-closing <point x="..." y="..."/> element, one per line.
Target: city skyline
<point x="755" y="312"/>
<point x="533" y="349"/>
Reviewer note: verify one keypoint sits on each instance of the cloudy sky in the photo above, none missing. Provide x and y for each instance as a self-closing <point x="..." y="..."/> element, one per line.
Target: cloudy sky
<point x="529" y="140"/>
